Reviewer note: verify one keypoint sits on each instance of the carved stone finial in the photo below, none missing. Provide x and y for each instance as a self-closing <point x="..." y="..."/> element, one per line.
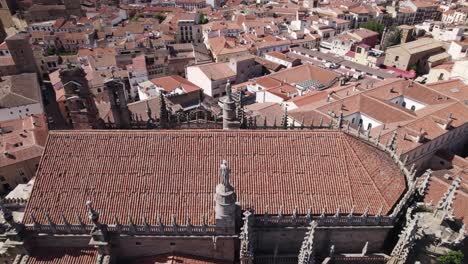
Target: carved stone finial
<point x="391" y="145"/>
<point x="92" y="214"/>
<point x="337" y="214"/>
<point x="173" y="220"/>
<point x="188" y="221"/>
<point x="366" y="212"/>
<point x="203" y="220"/>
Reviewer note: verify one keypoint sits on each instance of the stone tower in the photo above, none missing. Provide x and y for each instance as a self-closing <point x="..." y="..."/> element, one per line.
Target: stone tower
<point x="229" y="110"/>
<point x="225" y="201"/>
<point x="22" y="53"/>
<point x="82" y="110"/>
<point x="118" y="103"/>
<point x="406" y="33"/>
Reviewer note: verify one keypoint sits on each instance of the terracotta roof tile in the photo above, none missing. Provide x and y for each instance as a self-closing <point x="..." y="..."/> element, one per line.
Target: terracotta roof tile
<point x="175" y="172"/>
<point x="63" y="256"/>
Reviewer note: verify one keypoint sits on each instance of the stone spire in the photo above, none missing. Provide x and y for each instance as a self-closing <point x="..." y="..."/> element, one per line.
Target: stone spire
<point x="393" y="141"/>
<point x="284" y="120"/>
<point x="99" y="231"/>
<point x="225" y="200"/>
<point x="246" y="248"/>
<point x="12" y="225"/>
<point x="444" y="207"/>
<point x="92" y="214"/>
<point x="163" y="113"/>
<point x="406" y="241"/>
<point x="229" y="110"/>
<point x="339" y="122"/>
<point x="306" y="255"/>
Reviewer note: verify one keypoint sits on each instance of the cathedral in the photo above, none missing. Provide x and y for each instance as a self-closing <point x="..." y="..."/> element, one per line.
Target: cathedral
<point x="324" y="194"/>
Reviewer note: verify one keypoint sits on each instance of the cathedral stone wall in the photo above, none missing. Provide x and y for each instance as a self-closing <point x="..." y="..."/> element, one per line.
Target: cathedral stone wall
<point x="61" y="240"/>
<point x="345" y="239"/>
<point x="128" y="247"/>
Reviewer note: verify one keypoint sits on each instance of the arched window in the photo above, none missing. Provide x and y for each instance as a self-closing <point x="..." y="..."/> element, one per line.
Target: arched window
<point x="403" y="104"/>
<point x="413" y="108"/>
<point x="369" y="127"/>
<point x="360" y="121"/>
<point x="353" y="120"/>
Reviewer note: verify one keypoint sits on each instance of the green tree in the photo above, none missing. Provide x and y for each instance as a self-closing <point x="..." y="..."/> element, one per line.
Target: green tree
<point x="202" y="18"/>
<point x="160" y="17"/>
<point x="374" y="26"/>
<point x="453" y="257"/>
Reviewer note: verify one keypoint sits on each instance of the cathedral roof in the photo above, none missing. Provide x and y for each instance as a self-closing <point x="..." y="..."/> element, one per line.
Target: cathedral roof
<point x="57" y="255"/>
<point x="150" y="173"/>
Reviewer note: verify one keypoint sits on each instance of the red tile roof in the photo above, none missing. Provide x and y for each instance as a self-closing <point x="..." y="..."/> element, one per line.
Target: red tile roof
<point x="62" y="256"/>
<point x="171" y="83"/>
<point x="175" y="172"/>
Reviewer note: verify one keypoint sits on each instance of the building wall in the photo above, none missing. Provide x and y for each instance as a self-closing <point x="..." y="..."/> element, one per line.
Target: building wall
<point x="20" y="111"/>
<point x="245" y="69"/>
<point x="398" y="58"/>
<point x="366" y="121"/>
<point x="286" y="64"/>
<point x="460" y="70"/>
<point x="456" y="51"/>
<point x="345" y="239"/>
<point x="408" y="103"/>
<point x="197" y="77"/>
<point x="406" y="60"/>
<point x="436" y="75"/>
<point x="263" y="50"/>
<point x="219" y="248"/>
<point x="19" y="172"/>
<point x="452" y="141"/>
<point x="267" y="97"/>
